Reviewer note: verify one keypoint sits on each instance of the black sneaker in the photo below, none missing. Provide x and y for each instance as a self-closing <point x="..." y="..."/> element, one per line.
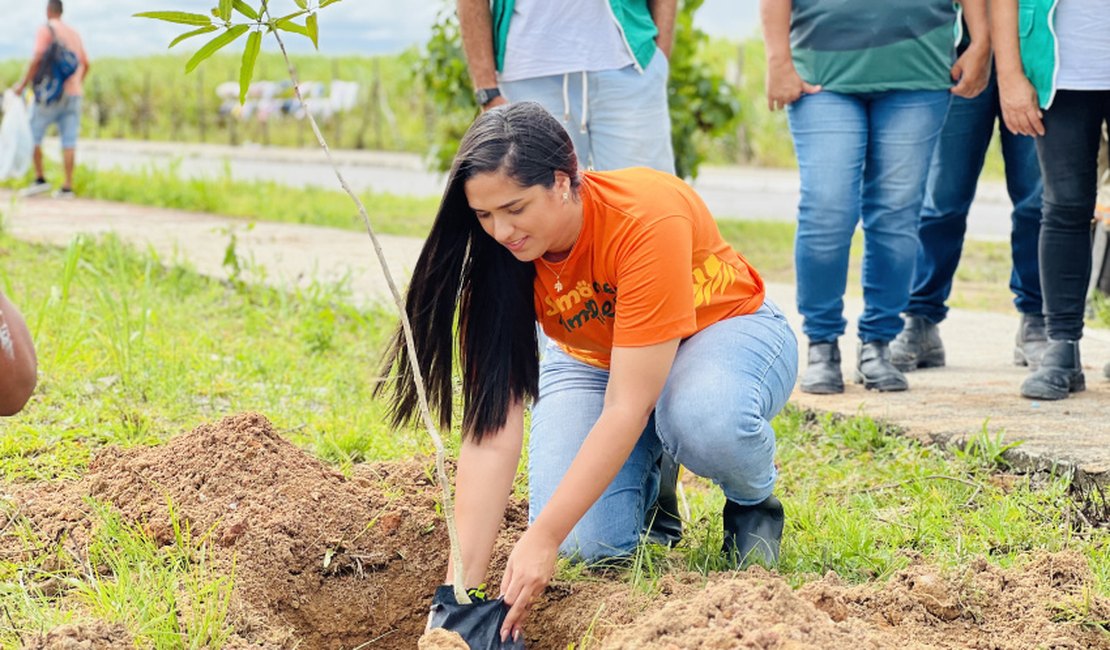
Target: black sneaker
<point x="64" y="193"/>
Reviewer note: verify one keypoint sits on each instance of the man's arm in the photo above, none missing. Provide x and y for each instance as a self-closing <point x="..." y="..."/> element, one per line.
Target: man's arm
<point x="476" y="27"/>
<point x="972" y="70"/>
<point x="663" y="13"/>
<point x="36" y="58"/>
<point x="1018" y="98"/>
<point x="18" y="365"/>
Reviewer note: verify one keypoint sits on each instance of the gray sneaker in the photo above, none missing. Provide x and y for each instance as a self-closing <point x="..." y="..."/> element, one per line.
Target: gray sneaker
<point x="64" y="193"/>
<point x="34" y="189"/>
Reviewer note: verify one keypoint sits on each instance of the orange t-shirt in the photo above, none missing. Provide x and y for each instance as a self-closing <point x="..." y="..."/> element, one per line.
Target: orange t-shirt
<point x="649" y="266"/>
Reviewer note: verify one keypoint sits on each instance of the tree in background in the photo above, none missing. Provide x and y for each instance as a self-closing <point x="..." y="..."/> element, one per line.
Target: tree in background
<point x="703" y="103"/>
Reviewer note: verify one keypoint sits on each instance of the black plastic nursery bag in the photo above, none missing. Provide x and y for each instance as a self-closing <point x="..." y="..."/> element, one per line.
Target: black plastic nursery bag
<point x="479" y="623"/>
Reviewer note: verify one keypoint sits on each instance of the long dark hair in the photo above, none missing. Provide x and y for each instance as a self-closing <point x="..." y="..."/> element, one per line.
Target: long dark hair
<point x="462" y="271"/>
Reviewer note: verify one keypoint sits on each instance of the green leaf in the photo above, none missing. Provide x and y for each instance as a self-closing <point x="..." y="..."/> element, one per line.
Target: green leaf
<point x="246" y="69"/>
<point x="215" y="44"/>
<point x="313" y="30"/>
<point x="295" y="14"/>
<point x="290" y="26"/>
<point x="225" y="10"/>
<point x="325" y="3"/>
<point x="180" y="17"/>
<point x="245" y="9"/>
<point x="303" y="4"/>
<point x="195" y="32"/>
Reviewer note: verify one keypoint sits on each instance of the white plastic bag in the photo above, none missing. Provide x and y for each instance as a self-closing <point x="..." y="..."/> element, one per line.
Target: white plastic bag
<point x="16" y="145"/>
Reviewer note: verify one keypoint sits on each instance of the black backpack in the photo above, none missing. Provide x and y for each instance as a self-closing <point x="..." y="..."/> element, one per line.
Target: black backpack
<point x="58" y="63"/>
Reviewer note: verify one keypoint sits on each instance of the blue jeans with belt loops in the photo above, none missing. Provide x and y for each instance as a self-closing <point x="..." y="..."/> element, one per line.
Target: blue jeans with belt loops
<point x="714" y="416"/>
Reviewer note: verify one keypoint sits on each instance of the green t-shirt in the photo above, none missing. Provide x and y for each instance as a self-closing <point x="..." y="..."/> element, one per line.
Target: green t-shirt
<point x="863" y="46"/>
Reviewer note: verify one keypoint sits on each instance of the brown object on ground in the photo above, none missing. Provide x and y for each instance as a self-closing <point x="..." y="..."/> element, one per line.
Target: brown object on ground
<point x="441" y="639"/>
<point x="325" y="561"/>
<point x="89" y="635"/>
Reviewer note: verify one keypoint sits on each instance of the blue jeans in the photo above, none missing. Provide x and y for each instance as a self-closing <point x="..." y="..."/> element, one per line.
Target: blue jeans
<point x="713" y="416"/>
<point x="626" y="122"/>
<point x="66" y="112"/>
<point x="953" y="176"/>
<point x="860" y="156"/>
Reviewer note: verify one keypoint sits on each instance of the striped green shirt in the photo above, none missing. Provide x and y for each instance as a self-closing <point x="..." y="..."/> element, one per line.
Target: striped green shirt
<point x="863" y="46"/>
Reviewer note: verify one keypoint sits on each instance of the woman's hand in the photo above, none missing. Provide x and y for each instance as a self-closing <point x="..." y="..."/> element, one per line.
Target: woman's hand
<point x="784" y="86"/>
<point x="1020" y="109"/>
<point x="529" y="569"/>
<point x="972" y="72"/>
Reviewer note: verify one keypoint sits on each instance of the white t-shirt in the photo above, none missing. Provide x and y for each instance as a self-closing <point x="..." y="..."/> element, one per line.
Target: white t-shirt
<point x="549" y="37"/>
<point x="1083" y="34"/>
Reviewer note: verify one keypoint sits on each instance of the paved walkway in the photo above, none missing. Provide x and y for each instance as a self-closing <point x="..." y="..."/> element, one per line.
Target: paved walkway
<point x="978" y="389"/>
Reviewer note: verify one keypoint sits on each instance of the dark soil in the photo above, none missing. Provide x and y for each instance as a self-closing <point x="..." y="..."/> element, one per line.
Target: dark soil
<point x="324" y="561"/>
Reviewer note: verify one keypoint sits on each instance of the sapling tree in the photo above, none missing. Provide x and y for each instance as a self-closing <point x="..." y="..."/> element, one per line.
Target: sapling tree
<point x="230" y="20"/>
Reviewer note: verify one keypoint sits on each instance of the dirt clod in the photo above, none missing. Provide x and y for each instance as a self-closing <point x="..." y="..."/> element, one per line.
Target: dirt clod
<point x="441" y="639"/>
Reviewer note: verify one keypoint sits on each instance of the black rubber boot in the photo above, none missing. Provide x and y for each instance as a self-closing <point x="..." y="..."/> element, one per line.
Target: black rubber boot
<point x="875" y="371"/>
<point x="1031" y="341"/>
<point x="1060" y="373"/>
<point x="822" y="376"/>
<point x="754" y="533"/>
<point x="917" y="346"/>
<point x="663" y="524"/>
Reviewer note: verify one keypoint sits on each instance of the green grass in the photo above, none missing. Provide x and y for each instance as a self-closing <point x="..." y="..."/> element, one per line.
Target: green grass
<point x="130" y="352"/>
<point x="254" y="200"/>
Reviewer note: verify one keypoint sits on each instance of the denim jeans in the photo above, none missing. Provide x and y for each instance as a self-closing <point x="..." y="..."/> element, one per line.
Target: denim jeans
<point x="953" y="176"/>
<point x="66" y="113"/>
<point x="713" y="416"/>
<point x="626" y="122"/>
<point x="1068" y="152"/>
<point x="861" y="156"/>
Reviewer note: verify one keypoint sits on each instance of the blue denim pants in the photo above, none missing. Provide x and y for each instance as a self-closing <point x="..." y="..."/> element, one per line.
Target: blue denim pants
<point x="953" y="176"/>
<point x="616" y="118"/>
<point x="713" y="417"/>
<point x="66" y="113"/>
<point x="861" y="157"/>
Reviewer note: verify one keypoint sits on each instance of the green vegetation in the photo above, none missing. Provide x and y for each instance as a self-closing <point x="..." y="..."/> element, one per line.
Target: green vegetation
<point x="132" y="352"/>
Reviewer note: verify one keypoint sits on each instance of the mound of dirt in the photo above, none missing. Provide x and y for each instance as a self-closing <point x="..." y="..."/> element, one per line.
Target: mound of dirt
<point x="90" y="635"/>
<point x="324" y="561"/>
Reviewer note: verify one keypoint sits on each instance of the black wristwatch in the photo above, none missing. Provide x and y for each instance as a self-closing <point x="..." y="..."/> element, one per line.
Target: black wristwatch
<point x="487" y="95"/>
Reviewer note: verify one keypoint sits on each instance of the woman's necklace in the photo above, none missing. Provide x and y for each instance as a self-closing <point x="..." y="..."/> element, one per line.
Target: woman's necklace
<point x="558" y="274"/>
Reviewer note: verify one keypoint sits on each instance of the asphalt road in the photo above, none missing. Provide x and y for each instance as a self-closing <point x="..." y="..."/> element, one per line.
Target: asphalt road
<point x="730" y="192"/>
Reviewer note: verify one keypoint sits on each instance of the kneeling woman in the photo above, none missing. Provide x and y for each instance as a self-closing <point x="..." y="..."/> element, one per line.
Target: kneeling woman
<point x="659" y="338"/>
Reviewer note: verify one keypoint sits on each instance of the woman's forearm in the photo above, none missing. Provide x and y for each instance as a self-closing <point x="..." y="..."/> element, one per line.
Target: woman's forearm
<point x="483" y="484"/>
<point x="774" y="16"/>
<point x="1004" y="37"/>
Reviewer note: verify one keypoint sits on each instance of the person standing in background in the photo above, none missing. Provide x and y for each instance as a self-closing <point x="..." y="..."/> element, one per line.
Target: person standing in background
<point x="598" y="66"/>
<point x="65" y="112"/>
<point x="866" y="86"/>
<point x="949" y="191"/>
<point x="1054" y="82"/>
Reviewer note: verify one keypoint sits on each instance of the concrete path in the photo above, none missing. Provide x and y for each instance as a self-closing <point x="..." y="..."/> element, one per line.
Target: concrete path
<point x="730" y="192"/>
<point x="978" y="390"/>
